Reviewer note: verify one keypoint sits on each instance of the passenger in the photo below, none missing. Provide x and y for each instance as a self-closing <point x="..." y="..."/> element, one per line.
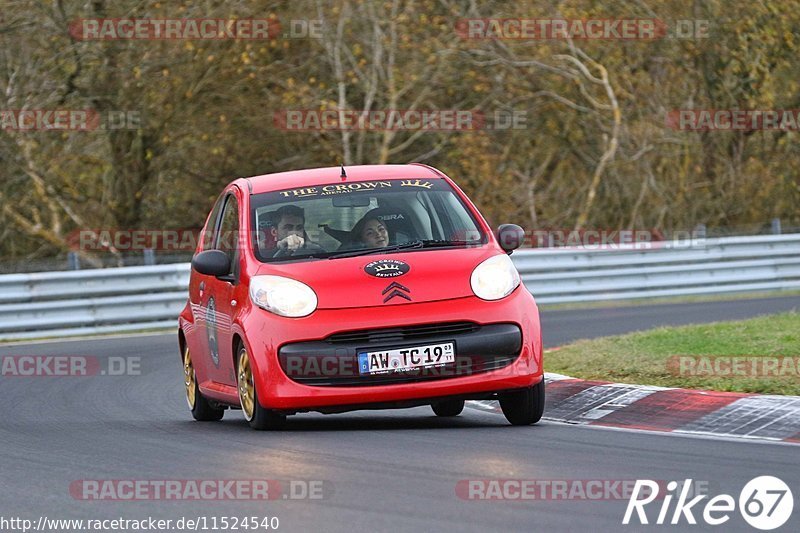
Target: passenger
<point x="370" y="232"/>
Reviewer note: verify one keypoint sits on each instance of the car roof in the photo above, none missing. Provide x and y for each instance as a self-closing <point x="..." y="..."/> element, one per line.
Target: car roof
<point x="321" y="176"/>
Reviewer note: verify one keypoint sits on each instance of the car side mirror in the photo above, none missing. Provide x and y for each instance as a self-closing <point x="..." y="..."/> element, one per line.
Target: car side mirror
<point x="212" y="263"/>
<point x="510" y="237"/>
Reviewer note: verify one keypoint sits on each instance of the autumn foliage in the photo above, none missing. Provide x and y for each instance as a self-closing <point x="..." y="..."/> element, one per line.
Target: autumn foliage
<point x="574" y="133"/>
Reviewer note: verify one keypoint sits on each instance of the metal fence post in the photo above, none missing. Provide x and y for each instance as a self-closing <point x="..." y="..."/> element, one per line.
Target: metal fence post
<point x="699" y="231"/>
<point x="776" y="226"/>
<point x="149" y="257"/>
<point x="73" y="262"/>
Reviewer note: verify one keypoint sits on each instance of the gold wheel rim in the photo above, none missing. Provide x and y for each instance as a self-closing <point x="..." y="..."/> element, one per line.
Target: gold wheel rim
<point x="246" y="386"/>
<point x="189" y="378"/>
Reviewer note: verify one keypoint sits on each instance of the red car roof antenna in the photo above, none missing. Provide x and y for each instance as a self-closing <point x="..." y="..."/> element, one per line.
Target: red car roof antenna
<point x="344" y="174"/>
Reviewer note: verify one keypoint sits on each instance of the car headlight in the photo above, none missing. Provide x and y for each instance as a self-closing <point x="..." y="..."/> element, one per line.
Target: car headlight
<point x="282" y="296"/>
<point x="495" y="278"/>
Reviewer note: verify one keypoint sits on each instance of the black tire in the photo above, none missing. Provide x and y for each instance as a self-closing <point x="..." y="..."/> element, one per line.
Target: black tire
<point x="523" y="407"/>
<point x="261" y="418"/>
<point x="448" y="407"/>
<point x="266" y="419"/>
<point x="205" y="411"/>
<point x="202" y="409"/>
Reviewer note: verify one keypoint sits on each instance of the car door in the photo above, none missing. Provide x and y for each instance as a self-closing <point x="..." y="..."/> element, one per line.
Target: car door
<point x="220" y="304"/>
<point x="200" y="287"/>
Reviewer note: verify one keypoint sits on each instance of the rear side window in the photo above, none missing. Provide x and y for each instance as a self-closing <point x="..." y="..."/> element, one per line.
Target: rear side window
<point x="228" y="236"/>
<point x="211" y="225"/>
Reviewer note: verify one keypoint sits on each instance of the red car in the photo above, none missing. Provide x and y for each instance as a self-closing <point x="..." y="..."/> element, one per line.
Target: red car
<point x="365" y="287"/>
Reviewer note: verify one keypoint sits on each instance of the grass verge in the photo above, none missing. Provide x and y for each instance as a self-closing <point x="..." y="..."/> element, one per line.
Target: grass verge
<point x="671" y="300"/>
<point x="757" y="355"/>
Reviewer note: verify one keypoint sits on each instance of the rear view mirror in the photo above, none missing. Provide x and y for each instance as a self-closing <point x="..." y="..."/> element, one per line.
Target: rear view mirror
<point x="351" y="200"/>
<point x="510" y="237"/>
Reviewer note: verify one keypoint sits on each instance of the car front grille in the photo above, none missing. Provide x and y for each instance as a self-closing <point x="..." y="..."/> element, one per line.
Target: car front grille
<point x="333" y="361"/>
<point x="402" y="334"/>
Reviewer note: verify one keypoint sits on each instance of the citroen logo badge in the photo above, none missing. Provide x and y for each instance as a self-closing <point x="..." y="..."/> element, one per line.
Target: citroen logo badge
<point x="396" y="290"/>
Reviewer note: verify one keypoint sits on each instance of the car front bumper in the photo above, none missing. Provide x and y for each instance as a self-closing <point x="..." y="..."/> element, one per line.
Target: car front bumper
<point x="275" y="343"/>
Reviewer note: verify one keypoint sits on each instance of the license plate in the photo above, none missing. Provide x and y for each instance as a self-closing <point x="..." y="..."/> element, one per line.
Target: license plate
<point x="401" y="359"/>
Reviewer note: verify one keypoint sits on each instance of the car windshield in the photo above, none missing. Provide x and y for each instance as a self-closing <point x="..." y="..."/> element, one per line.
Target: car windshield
<point x="346" y="219"/>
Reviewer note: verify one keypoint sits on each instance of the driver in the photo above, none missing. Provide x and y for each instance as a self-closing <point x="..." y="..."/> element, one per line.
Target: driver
<point x="289" y="232"/>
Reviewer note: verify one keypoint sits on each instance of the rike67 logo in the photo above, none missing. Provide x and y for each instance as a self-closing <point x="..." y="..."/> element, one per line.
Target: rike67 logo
<point x="765" y="503"/>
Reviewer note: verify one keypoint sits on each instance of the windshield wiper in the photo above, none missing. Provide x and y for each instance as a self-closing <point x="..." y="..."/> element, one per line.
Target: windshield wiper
<point x="295" y="257"/>
<point x="419" y="243"/>
<point x="368" y="251"/>
<point x="434" y="243"/>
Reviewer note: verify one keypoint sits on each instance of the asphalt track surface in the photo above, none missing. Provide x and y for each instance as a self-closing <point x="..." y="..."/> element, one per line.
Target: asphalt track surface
<point x="384" y="470"/>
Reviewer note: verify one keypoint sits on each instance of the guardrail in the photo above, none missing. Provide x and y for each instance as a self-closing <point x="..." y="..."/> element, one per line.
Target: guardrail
<point x="61" y="304"/>
<point x="712" y="266"/>
<point x="85" y="302"/>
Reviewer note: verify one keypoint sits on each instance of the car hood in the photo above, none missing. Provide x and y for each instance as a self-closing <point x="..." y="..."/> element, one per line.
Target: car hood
<point x="428" y="275"/>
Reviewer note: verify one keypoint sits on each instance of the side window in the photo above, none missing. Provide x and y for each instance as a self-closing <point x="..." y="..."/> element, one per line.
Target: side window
<point x="209" y="233"/>
<point x="228" y="238"/>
